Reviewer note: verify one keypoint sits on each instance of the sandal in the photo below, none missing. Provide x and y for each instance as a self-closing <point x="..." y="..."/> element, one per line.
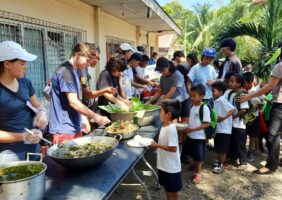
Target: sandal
<point x="197" y="178"/>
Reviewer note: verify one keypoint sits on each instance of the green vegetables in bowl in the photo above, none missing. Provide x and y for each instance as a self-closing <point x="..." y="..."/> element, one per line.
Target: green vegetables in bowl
<point x="19" y="172"/>
<point x="137" y="105"/>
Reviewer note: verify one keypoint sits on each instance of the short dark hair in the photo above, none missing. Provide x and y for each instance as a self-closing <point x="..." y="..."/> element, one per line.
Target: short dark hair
<point x="154" y="54"/>
<point x="220" y="86"/>
<point x="173" y="106"/>
<point x="228" y="75"/>
<point x="199" y="89"/>
<point x="163" y="62"/>
<point x="136" y="56"/>
<point x="249" y="76"/>
<point x="141" y="49"/>
<point x="229" y="42"/>
<point x="193" y="57"/>
<point x="115" y="63"/>
<point x="239" y="78"/>
<point x="145" y="57"/>
<point x="178" y="54"/>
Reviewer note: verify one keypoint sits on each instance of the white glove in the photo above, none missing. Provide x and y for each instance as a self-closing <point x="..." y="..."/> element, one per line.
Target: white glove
<point x="102" y="120"/>
<point x="123" y="106"/>
<point x="41" y="119"/>
<point x="29" y="138"/>
<point x="85" y="125"/>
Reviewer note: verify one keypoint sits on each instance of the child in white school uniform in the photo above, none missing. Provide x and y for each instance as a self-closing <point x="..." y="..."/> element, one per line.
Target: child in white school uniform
<point x="224" y="111"/>
<point x="168" y="156"/>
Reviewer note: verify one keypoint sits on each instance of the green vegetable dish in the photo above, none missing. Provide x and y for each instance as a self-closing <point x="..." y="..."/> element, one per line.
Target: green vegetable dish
<point x="80" y="151"/>
<point x="19" y="172"/>
<point x="137" y="105"/>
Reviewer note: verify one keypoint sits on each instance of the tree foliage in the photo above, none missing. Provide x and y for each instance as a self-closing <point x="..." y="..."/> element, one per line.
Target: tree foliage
<point x="257" y="28"/>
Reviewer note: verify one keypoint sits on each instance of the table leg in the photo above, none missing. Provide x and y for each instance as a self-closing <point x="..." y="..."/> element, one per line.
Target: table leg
<point x="157" y="185"/>
<point x="142" y="183"/>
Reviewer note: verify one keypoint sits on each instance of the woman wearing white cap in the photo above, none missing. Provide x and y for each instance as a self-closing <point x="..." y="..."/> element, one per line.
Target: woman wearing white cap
<point x="16" y="104"/>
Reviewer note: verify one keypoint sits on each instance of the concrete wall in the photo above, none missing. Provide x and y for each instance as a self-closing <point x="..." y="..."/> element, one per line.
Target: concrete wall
<point x="74" y="13"/>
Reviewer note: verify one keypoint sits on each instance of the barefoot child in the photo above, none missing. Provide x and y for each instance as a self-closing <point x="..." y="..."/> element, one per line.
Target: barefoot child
<point x="168" y="157"/>
<point x="195" y="143"/>
<point x="224" y="111"/>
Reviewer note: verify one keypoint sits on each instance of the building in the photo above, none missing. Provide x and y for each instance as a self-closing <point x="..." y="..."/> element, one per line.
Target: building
<point x="50" y="28"/>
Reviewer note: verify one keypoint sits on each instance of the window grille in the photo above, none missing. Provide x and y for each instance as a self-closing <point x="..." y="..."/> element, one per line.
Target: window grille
<point x="113" y="44"/>
<point x="52" y="43"/>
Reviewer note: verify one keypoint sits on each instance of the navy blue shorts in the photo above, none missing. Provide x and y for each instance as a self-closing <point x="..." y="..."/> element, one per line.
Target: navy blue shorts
<point x="253" y="130"/>
<point x="172" y="182"/>
<point x="194" y="148"/>
<point x="222" y="142"/>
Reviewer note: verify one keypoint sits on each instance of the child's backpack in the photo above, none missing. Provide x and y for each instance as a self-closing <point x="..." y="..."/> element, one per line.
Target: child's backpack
<point x="211" y="130"/>
<point x="250" y="116"/>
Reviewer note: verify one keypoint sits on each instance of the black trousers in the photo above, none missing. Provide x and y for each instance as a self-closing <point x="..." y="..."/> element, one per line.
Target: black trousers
<point x="238" y="145"/>
<point x="273" y="140"/>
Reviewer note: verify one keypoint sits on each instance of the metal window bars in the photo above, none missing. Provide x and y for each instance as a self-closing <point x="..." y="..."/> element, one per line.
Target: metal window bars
<point x="51" y="42"/>
<point x="113" y="44"/>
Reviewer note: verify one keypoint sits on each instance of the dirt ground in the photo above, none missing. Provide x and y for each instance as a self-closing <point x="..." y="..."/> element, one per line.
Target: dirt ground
<point x="229" y="185"/>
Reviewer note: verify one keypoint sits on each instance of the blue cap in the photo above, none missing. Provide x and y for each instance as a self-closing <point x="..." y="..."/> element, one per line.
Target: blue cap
<point x="210" y="52"/>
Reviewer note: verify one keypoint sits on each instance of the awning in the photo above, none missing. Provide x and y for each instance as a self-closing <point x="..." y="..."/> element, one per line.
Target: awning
<point x="147" y="14"/>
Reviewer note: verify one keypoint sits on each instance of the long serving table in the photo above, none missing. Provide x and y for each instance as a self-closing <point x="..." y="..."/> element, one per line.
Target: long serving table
<point x="101" y="181"/>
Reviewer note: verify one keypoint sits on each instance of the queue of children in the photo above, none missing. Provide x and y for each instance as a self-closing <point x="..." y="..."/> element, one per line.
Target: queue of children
<point x="236" y="119"/>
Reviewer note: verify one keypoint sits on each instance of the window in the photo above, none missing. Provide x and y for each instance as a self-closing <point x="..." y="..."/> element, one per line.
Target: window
<point x="113" y="44"/>
<point x="52" y="43"/>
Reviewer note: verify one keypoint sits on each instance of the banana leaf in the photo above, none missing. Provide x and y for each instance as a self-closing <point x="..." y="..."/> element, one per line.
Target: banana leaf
<point x="274" y="57"/>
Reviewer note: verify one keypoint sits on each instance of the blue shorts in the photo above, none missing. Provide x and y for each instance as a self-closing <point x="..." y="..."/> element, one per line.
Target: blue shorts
<point x="194" y="148"/>
<point x="172" y="182"/>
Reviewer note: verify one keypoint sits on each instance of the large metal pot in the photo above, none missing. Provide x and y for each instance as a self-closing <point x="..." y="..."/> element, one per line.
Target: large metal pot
<point x="89" y="161"/>
<point x="122" y="116"/>
<point x="31" y="188"/>
<point x="149" y="117"/>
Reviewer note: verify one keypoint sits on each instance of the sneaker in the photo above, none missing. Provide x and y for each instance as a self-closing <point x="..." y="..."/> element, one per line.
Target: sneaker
<point x="225" y="164"/>
<point x="250" y="156"/>
<point x="218" y="169"/>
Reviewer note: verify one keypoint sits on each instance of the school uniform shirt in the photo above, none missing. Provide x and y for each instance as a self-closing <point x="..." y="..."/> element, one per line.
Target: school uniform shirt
<point x="174" y="80"/>
<point x="201" y="75"/>
<point x="168" y="161"/>
<point x="128" y="77"/>
<point x="255" y="101"/>
<point x="63" y="118"/>
<point x="221" y="107"/>
<point x="238" y="122"/>
<point x="195" y="121"/>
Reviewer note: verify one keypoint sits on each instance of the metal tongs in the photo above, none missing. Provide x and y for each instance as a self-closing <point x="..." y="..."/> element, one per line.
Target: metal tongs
<point x="45" y="140"/>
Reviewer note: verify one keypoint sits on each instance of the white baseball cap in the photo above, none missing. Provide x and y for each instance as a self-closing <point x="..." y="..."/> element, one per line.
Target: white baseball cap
<point x="10" y="50"/>
<point x="126" y="47"/>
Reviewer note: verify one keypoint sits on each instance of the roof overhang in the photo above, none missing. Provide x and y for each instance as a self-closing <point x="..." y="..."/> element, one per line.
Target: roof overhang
<point x="147" y="14"/>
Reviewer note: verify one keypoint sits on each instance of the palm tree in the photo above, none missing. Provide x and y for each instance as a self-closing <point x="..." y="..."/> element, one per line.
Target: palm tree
<point x="201" y="36"/>
<point x="266" y="29"/>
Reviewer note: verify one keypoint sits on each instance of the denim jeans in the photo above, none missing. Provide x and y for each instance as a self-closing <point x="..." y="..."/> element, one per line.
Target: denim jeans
<point x="273" y="140"/>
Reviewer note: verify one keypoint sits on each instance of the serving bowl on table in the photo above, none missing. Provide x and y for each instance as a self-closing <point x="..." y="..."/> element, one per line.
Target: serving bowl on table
<point x="87" y="161"/>
<point x="126" y="134"/>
